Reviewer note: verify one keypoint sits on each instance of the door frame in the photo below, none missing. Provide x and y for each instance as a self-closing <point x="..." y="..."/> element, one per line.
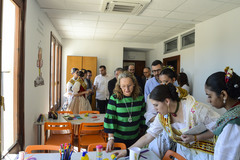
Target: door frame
<point x="174" y="58"/>
<point x="20" y="142"/>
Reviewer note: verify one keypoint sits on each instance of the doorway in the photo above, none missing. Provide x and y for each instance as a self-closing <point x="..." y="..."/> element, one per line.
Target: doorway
<point x="173" y="61"/>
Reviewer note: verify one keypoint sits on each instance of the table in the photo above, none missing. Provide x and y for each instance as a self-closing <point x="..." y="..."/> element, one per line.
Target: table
<point x="92" y="156"/>
<point x="88" y="119"/>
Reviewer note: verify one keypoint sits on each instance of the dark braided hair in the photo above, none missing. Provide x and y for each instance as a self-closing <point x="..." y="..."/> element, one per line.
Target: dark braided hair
<point x="161" y="92"/>
<point x="216" y="83"/>
<point x="169" y="72"/>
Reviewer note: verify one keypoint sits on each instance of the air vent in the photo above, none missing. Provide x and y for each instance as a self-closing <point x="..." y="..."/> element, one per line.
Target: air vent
<point x="133" y="7"/>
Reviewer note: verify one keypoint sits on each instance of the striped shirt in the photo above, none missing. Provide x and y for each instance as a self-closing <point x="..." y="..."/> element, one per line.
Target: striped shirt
<point x="118" y="113"/>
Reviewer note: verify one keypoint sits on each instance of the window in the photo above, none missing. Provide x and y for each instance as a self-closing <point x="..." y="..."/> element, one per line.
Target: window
<point x="170" y="45"/>
<point x="55" y="73"/>
<point x="188" y="39"/>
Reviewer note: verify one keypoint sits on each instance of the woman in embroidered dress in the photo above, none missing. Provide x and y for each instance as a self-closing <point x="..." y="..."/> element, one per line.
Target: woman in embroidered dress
<point x="124" y="117"/>
<point x="69" y="93"/>
<point x="79" y="101"/>
<point x="177" y="116"/>
<point x="223" y="91"/>
<point x="161" y="144"/>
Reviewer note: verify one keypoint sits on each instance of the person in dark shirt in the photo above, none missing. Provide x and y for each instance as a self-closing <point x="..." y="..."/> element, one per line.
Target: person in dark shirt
<point x="131" y="69"/>
<point x="112" y="82"/>
<point x="89" y="83"/>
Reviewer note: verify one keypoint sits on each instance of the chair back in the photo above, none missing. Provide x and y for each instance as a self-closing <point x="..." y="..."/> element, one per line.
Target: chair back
<point x="90" y="133"/>
<point x="169" y="155"/>
<point x="63" y="112"/>
<point x="57" y="126"/>
<point x="40" y="148"/>
<point x="90" y="112"/>
<point x="92" y="147"/>
<point x="63" y="128"/>
<point x="88" y="128"/>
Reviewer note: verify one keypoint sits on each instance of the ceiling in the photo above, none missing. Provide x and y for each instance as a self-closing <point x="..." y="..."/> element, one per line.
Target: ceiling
<point x="162" y="19"/>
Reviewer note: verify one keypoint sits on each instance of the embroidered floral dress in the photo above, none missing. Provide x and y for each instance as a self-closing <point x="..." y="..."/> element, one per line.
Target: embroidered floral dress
<point x="194" y="113"/>
<point x="79" y="103"/>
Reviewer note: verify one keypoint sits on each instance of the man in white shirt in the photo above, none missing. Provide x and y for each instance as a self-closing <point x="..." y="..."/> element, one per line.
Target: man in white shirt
<point x="101" y="87"/>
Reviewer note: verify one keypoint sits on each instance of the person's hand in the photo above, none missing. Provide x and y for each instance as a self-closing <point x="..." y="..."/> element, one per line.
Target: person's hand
<point x="187" y="138"/>
<point x="120" y="153"/>
<point x="110" y="145"/>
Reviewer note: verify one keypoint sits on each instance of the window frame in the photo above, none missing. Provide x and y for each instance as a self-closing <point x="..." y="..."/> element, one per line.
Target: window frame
<point x="185" y="35"/>
<point x="55" y="73"/>
<point x="168" y="41"/>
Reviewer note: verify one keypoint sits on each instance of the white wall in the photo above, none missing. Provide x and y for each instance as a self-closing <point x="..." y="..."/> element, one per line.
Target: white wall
<point x="217" y="46"/>
<point x="108" y="53"/>
<point x="136" y="56"/>
<point x="186" y="57"/>
<point x="38" y="28"/>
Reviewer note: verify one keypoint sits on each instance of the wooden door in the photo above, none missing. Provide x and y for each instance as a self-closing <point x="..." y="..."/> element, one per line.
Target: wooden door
<point x="90" y="63"/>
<point x="73" y="62"/>
<point x="173" y="61"/>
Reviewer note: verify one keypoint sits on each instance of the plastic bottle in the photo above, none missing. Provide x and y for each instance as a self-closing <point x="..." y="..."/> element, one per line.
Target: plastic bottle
<point x="84" y="156"/>
<point x="99" y="149"/>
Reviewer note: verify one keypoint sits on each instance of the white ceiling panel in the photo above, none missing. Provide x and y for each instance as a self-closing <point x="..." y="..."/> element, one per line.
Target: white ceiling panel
<point x="155" y="13"/>
<point x="107" y="25"/>
<point x="140" y="20"/>
<point x="133" y="27"/>
<point x="83" y="23"/>
<point x="82" y="16"/>
<point x="128" y="32"/>
<point x="162" y="19"/>
<point x="166" y="5"/>
<point x="113" y="18"/>
<point x="198" y="6"/>
<point x="182" y="16"/>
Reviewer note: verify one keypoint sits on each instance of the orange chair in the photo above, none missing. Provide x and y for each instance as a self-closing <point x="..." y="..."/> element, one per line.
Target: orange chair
<point x="92" y="147"/>
<point x="62" y="112"/>
<point x="39" y="148"/>
<point x="90" y="133"/>
<point x="169" y="155"/>
<point x="90" y="112"/>
<point x="66" y="135"/>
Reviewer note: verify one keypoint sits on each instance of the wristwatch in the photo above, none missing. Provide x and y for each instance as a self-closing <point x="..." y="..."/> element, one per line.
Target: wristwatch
<point x="110" y="138"/>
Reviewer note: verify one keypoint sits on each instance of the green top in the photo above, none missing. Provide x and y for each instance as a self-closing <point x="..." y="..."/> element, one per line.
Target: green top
<point x="118" y="113"/>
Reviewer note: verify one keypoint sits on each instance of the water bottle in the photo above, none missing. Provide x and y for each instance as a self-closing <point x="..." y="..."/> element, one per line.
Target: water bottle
<point x="99" y="149"/>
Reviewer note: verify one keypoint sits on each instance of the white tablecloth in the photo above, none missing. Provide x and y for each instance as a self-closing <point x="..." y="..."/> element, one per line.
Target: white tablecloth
<point x="92" y="156"/>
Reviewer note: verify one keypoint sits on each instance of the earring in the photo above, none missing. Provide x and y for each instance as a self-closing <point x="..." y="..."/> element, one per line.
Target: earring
<point x="224" y="100"/>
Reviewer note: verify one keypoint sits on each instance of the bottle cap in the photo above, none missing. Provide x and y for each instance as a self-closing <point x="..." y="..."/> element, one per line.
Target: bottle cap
<point x="84" y="153"/>
<point x="99" y="146"/>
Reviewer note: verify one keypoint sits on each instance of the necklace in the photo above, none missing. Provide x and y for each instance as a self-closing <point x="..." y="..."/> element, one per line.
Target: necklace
<point x="130" y="114"/>
<point x="175" y="113"/>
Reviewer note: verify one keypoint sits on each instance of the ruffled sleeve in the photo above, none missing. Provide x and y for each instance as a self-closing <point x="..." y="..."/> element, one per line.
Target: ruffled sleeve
<point x="76" y="87"/>
<point x="155" y="127"/>
<point x="207" y="116"/>
<point x="110" y="120"/>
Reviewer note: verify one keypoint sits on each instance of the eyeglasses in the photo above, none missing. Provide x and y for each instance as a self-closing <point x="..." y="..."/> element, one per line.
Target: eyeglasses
<point x="158" y="70"/>
<point x="127" y="87"/>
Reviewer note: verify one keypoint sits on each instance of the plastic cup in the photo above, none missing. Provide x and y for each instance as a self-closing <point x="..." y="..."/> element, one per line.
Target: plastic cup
<point x="134" y="153"/>
<point x="21" y="155"/>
